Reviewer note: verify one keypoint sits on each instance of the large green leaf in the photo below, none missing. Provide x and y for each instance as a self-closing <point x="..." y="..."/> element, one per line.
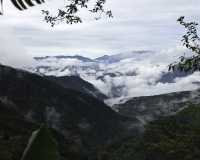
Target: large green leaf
<point x="41" y="146"/>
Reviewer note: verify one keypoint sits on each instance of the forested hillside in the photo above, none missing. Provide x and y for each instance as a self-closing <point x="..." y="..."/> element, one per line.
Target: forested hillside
<point x="148" y="106"/>
<point x="16" y="131"/>
<point x="84" y="125"/>
<point x="171" y="137"/>
<point x="83" y="118"/>
<point x="77" y="83"/>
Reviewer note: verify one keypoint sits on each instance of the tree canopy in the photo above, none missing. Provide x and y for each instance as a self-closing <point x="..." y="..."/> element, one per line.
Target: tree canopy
<point x="68" y="15"/>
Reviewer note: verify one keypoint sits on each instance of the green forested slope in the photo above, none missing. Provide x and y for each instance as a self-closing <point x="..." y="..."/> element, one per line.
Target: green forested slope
<point x="154" y="105"/>
<point x="172" y="137"/>
<point x="82" y="118"/>
<point x="15" y="132"/>
<point x="75" y="82"/>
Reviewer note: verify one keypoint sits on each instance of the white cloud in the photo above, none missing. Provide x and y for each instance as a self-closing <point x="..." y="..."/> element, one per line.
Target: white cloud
<point x="141" y="25"/>
<point x="135" y="76"/>
<point x="12" y="52"/>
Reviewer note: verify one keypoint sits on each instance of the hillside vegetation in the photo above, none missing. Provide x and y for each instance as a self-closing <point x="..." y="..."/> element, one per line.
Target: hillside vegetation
<point x="16" y="131"/>
<point x="83" y="118"/>
<point x="168" y="137"/>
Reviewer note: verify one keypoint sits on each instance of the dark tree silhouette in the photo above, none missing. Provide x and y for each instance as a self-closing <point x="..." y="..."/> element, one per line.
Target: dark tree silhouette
<point x="191" y="41"/>
<point x="69" y="14"/>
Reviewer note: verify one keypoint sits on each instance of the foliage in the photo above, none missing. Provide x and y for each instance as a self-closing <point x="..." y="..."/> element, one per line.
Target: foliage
<point x="69" y="15"/>
<point x="41" y="146"/>
<point x="15" y="131"/>
<point x="76" y="83"/>
<point x="177" y="137"/>
<point x="191" y="41"/>
<point x="169" y="137"/>
<point x="148" y="106"/>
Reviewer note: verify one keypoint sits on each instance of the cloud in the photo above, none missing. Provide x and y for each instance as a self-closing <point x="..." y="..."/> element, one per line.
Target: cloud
<point x="142" y="25"/>
<point x="11" y="51"/>
<point x="52" y="117"/>
<point x="137" y="75"/>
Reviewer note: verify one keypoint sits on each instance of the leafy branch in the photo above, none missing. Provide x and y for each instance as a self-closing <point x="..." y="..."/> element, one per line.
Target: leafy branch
<point x="69" y="15"/>
<point x="191" y="41"/>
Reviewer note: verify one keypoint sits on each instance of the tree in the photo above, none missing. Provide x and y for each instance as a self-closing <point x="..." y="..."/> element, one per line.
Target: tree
<point x="176" y="136"/>
<point x="69" y="15"/>
<point x="191" y="41"/>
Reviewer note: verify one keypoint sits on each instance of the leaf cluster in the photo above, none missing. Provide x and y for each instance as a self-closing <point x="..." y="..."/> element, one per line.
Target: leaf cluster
<point x="191" y="41"/>
<point x="69" y="14"/>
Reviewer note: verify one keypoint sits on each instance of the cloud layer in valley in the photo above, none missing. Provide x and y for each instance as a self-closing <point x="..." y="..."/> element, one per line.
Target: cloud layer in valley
<point x="137" y="75"/>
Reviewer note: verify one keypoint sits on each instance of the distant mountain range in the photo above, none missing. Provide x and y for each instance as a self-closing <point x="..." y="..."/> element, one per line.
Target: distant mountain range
<point x="115" y="75"/>
<point x="84" y="59"/>
<point x="118" y="57"/>
<point x="104" y="59"/>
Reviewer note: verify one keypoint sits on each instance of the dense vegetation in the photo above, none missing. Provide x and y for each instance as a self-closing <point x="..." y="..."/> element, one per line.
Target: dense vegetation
<point x="16" y="131"/>
<point x="75" y="82"/>
<point x="154" y="105"/>
<point x="168" y="137"/>
<point x="84" y="119"/>
<point x="87" y="124"/>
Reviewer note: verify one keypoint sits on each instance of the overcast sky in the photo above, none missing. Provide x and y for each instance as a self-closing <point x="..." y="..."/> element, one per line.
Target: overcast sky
<point x="137" y="25"/>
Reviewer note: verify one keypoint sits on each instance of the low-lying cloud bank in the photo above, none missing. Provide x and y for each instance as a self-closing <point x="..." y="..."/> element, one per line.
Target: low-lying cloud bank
<point x="137" y="75"/>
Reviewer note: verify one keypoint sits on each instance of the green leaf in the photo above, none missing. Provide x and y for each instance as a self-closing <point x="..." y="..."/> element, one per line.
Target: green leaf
<point x="41" y="146"/>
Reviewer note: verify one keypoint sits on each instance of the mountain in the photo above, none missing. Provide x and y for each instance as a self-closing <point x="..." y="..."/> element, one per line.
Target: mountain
<point x="145" y="107"/>
<point x="118" y="57"/>
<point x="79" y="116"/>
<point x="168" y="137"/>
<point x="118" y="75"/>
<point x="84" y="59"/>
<point x="170" y="76"/>
<point x="79" y="84"/>
<point x="15" y="131"/>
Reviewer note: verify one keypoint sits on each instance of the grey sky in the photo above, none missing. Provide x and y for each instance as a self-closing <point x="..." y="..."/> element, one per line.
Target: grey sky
<point x="137" y="25"/>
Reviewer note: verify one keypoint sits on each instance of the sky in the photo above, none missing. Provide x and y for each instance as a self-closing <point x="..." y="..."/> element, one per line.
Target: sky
<point x="136" y="25"/>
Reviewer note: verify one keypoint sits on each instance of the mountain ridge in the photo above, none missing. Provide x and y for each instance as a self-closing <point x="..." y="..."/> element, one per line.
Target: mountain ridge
<point x="77" y="115"/>
<point x="117" y="75"/>
<point x="79" y="84"/>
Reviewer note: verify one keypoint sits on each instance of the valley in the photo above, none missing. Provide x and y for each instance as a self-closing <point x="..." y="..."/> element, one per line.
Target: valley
<point x="92" y="122"/>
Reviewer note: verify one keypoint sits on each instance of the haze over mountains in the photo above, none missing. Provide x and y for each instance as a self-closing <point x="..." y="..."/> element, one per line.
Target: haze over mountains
<point x="74" y="107"/>
<point x="138" y="73"/>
